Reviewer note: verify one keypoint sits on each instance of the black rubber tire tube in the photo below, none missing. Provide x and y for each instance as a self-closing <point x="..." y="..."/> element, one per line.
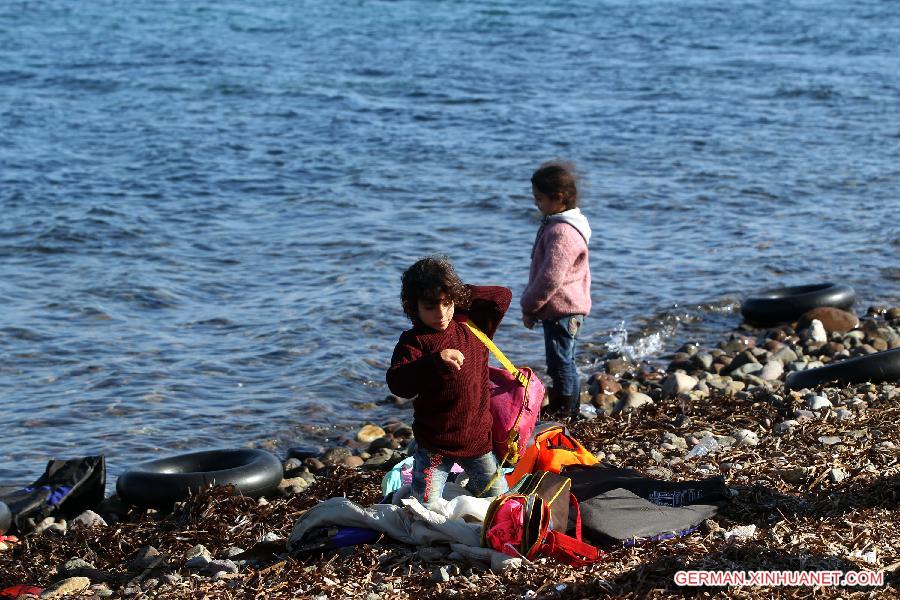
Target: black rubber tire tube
<point x="167" y="480"/>
<point x="781" y="305"/>
<point x="5" y="518"/>
<point x="877" y="368"/>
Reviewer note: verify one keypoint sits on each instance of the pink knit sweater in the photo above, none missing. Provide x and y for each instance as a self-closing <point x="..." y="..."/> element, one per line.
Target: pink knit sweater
<point x="559" y="282"/>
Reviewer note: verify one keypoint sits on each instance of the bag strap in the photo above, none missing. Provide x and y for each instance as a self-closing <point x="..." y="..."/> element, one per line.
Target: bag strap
<point x="507" y="364"/>
<point x="512" y="439"/>
<point x="572" y="550"/>
<point x="573" y="503"/>
<point x="569" y="550"/>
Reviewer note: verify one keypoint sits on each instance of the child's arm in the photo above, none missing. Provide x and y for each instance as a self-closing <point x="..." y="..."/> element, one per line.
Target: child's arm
<point x="561" y="253"/>
<point x="413" y="371"/>
<point x="489" y="304"/>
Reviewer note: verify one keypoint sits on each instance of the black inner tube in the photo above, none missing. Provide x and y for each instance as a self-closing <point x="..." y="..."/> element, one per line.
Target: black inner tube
<point x="782" y="305"/>
<point x="167" y="480"/>
<point x="879" y="367"/>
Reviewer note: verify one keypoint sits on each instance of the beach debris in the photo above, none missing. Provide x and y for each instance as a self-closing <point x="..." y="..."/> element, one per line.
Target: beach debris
<point x="795" y="504"/>
<point x="742" y="532"/>
<point x="706" y="445"/>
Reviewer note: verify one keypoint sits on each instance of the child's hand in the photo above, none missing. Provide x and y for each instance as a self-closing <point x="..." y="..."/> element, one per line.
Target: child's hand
<point x="453" y="358"/>
<point x="528" y="321"/>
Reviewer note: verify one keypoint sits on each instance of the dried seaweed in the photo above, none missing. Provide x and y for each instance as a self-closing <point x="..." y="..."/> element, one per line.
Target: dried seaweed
<point x="806" y="518"/>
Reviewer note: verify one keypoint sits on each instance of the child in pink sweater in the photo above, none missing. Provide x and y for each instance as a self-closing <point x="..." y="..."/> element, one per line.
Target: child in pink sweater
<point x="558" y="293"/>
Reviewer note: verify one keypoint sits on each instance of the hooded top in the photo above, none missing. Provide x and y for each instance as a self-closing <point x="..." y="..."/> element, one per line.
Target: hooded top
<point x="559" y="282"/>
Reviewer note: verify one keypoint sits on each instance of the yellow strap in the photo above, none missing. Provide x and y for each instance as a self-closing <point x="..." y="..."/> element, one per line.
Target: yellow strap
<point x="519" y="376"/>
<point x="511" y="439"/>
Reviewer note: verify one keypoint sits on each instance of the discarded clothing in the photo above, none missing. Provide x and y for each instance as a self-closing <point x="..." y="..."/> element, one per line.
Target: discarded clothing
<point x="456" y="522"/>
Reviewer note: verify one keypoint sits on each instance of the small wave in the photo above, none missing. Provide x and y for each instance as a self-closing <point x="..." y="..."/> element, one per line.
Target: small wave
<point x="144" y="296"/>
<point x="635" y="347"/>
<point x="96" y="314"/>
<point x="23" y="333"/>
<point x="817" y="92"/>
<point x="463" y="100"/>
<point x="215" y="322"/>
<point x="892" y="273"/>
<point x="371" y="72"/>
<point x="655" y="334"/>
<point x="756" y="192"/>
<point x="83" y="84"/>
<point x="267" y="30"/>
<point x="64" y="235"/>
<point x="13" y="77"/>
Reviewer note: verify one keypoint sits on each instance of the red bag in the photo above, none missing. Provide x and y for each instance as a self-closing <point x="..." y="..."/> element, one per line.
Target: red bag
<point x="523" y="524"/>
<point x="20" y="590"/>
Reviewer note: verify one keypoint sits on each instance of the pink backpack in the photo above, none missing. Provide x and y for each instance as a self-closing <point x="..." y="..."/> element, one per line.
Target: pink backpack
<point x="516" y="398"/>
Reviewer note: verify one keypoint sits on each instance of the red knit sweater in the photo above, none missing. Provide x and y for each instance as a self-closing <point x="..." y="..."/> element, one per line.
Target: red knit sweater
<point x="452" y="413"/>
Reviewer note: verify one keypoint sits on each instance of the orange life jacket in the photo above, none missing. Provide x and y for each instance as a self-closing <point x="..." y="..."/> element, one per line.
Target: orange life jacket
<point x="553" y="449"/>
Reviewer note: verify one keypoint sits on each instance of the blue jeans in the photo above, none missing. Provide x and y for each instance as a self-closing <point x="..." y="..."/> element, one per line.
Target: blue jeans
<point x="430" y="472"/>
<point x="559" y="343"/>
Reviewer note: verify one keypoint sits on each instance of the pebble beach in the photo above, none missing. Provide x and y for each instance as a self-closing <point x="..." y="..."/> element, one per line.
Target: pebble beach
<point x="814" y="475"/>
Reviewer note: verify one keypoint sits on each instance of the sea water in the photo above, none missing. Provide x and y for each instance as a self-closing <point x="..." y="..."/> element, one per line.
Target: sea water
<point x="207" y="206"/>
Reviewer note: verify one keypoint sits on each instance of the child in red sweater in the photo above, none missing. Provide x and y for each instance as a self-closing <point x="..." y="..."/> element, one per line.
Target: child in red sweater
<point x="444" y="367"/>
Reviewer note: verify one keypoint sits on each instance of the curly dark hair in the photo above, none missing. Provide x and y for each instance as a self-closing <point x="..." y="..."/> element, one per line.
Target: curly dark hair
<point x="426" y="280"/>
<point x="557" y="178"/>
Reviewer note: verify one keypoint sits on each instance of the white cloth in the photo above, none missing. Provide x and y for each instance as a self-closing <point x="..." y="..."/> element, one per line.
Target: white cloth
<point x="456" y="522"/>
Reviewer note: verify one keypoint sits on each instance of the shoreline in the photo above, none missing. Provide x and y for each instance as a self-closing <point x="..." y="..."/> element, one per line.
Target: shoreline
<point x="815" y="472"/>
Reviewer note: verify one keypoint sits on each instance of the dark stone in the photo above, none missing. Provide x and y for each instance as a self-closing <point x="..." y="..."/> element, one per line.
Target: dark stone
<point x="403" y="433"/>
<point x="314" y="464"/>
<point x="336" y="455"/>
<point x="773" y="345"/>
<point x="382" y="442"/>
<point x="681" y="364"/>
<point x="302" y="452"/>
<point x="617" y="366"/>
<point x="740" y="360"/>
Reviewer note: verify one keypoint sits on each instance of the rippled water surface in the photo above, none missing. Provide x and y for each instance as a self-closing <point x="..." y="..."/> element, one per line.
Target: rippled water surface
<point x="206" y="206"/>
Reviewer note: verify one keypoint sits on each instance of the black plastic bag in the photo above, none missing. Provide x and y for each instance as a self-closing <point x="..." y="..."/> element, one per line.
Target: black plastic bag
<point x="66" y="489"/>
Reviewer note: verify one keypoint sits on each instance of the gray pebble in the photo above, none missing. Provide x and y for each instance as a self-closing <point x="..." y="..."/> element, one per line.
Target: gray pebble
<point x="802" y="416"/>
<point x="219" y="566"/>
<point x="784" y="426"/>
<point x="842" y="414"/>
<point x="145" y="558"/>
